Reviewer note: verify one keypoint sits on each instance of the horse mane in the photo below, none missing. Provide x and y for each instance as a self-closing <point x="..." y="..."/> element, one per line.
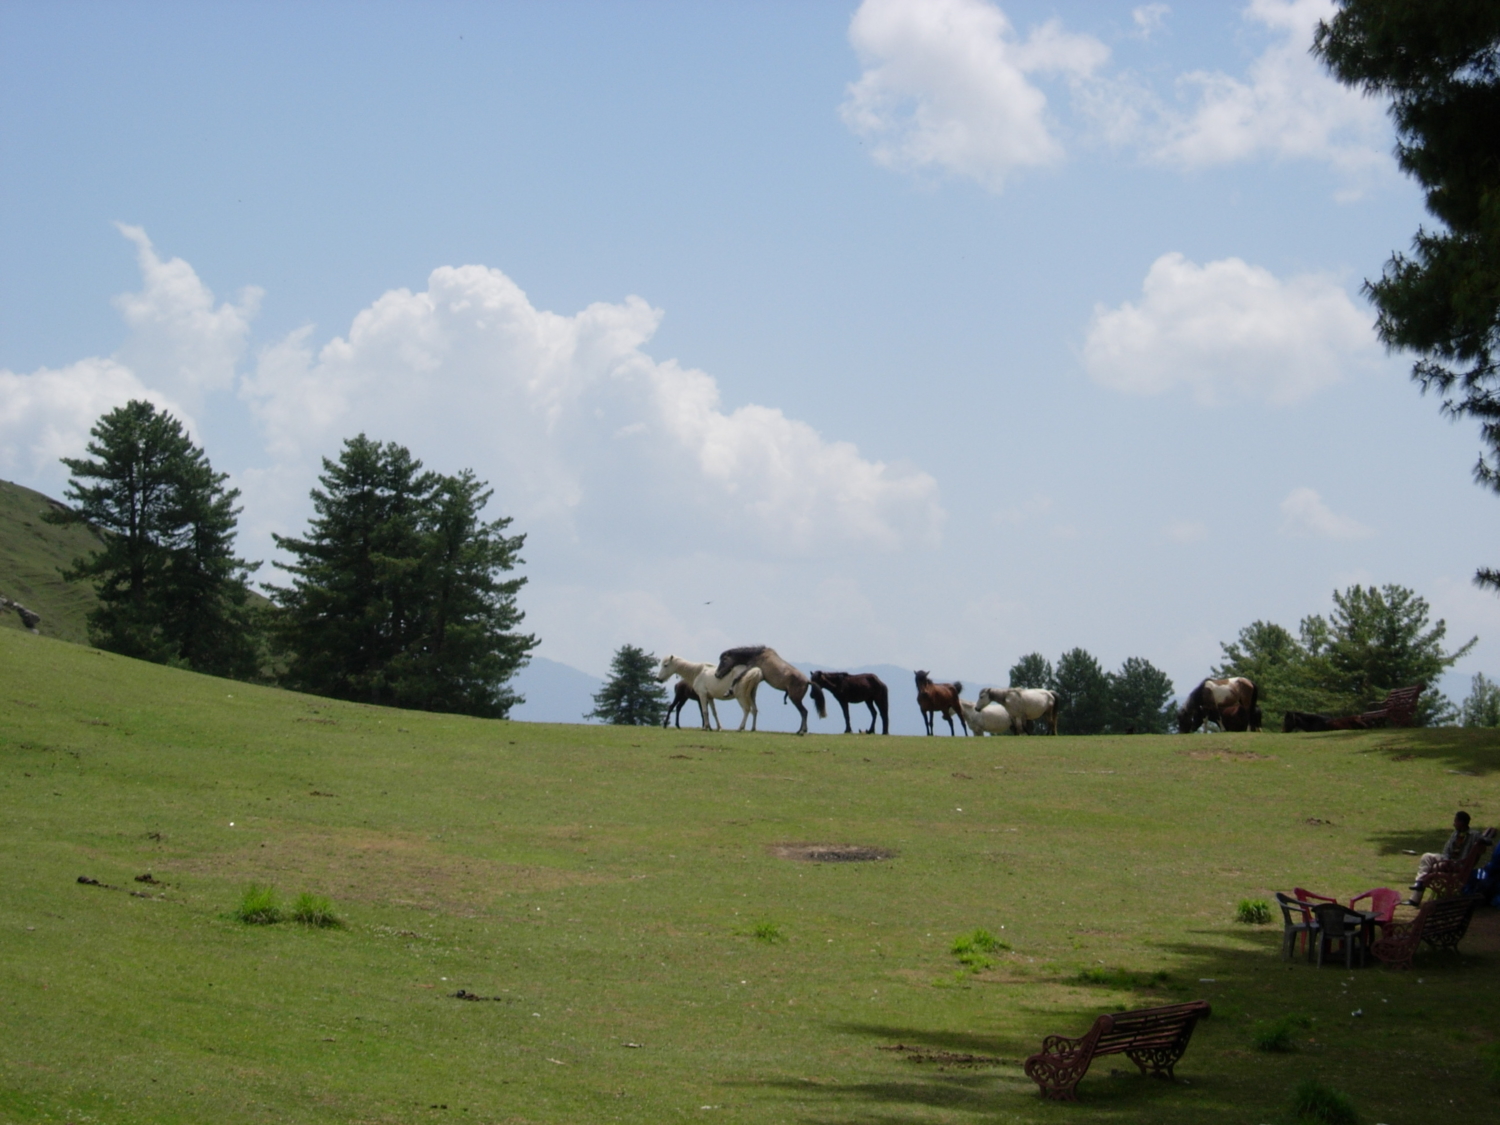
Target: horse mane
<point x="746" y="654"/>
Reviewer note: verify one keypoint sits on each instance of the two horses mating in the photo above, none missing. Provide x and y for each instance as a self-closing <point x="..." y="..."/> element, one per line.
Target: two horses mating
<point x="741" y="671"/>
<point x="1232" y="703"/>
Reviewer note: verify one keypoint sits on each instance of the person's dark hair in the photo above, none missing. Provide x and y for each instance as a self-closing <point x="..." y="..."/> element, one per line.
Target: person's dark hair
<point x="1461" y="816"/>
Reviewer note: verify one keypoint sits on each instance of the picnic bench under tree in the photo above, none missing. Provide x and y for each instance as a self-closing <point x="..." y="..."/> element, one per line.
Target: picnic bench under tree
<point x="1441" y="923"/>
<point x="1152" y="1038"/>
<point x="1399" y="707"/>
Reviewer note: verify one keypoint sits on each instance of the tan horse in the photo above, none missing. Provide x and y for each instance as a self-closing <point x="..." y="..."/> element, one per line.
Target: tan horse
<point x="777" y="672"/>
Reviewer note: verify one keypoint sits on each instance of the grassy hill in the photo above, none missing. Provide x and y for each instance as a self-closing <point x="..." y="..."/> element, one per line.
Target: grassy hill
<point x="605" y="887"/>
<point x="31" y="553"/>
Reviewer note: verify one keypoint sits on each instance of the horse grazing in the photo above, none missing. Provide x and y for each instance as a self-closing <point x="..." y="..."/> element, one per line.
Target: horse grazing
<point x="991" y="718"/>
<point x="775" y="671"/>
<point x="1023" y="705"/>
<point x="939" y="698"/>
<point x="1216" y="700"/>
<point x="682" y="691"/>
<point x="708" y="687"/>
<point x="854" y="687"/>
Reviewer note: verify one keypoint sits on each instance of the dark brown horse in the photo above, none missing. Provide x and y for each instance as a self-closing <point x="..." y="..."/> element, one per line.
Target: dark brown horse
<point x="682" y="691"/>
<point x="854" y="687"/>
<point x="933" y="698"/>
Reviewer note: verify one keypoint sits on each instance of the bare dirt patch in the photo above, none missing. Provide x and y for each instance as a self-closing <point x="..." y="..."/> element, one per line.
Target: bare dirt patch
<point x="830" y="853"/>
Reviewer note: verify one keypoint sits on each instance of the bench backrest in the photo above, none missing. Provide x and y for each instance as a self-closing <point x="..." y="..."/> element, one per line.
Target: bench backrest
<point x="1399" y="707"/>
<point x="1148" y="1027"/>
<point x="1449" y="915"/>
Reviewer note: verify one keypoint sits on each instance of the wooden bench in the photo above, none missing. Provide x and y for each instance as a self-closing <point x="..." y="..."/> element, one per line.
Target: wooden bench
<point x="1399" y="708"/>
<point x="1442" y="924"/>
<point x="1152" y="1038"/>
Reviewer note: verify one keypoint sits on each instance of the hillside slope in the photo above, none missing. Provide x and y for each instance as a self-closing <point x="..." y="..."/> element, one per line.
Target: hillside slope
<point x="632" y="913"/>
<point x="31" y="554"/>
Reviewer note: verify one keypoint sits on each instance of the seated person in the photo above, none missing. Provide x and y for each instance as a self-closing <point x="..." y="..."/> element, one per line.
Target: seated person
<point x="1458" y="849"/>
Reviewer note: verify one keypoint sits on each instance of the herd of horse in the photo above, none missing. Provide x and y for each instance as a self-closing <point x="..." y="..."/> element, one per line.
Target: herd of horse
<point x="1232" y="703"/>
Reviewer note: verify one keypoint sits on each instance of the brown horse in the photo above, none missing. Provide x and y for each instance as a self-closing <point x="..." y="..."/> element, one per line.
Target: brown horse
<point x="777" y="672"/>
<point x="854" y="687"/>
<point x="933" y="698"/>
<point x="1234" y="698"/>
<point x="682" y="691"/>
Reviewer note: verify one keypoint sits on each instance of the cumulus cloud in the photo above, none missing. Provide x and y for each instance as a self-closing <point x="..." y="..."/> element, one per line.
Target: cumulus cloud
<point x="1305" y="515"/>
<point x="1287" y="105"/>
<point x="180" y="341"/>
<point x="568" y="415"/>
<point x="1228" y="330"/>
<point x="47" y="414"/>
<point x="947" y="85"/>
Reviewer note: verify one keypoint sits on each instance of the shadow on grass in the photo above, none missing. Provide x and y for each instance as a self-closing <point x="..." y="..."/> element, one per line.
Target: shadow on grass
<point x="1463" y="750"/>
<point x="1221" y="1076"/>
<point x="1395" y="843"/>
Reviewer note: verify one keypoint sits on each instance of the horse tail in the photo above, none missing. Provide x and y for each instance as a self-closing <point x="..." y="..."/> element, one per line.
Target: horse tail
<point x="818" y="700"/>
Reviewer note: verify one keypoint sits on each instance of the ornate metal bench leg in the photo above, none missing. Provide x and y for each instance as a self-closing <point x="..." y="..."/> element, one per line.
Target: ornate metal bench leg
<point x="1157" y="1061"/>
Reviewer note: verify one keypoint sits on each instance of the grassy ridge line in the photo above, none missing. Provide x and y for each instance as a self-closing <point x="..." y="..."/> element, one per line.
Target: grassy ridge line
<point x="31" y="553"/>
<point x="607" y="879"/>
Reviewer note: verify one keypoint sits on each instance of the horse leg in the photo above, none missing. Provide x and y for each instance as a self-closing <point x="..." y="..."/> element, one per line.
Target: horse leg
<point x="870" y="703"/>
<point x="847" y="728"/>
<point x="795" y="694"/>
<point x="706" y="708"/>
<point x="885" y="715"/>
<point x="927" y="721"/>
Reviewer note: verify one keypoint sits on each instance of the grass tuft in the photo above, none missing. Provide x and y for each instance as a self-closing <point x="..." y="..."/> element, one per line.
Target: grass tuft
<point x="1253" y="911"/>
<point x="1314" y="1101"/>
<point x="259" y="906"/>
<point x="315" y="910"/>
<point x="768" y="932"/>
<point x="973" y="950"/>
<point x="1276" y="1035"/>
<point x="1123" y="979"/>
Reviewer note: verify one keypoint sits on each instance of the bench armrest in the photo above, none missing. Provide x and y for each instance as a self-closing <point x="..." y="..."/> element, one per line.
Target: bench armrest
<point x="1061" y="1045"/>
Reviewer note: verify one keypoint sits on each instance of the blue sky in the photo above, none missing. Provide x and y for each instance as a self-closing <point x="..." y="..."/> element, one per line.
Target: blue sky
<point x="922" y="333"/>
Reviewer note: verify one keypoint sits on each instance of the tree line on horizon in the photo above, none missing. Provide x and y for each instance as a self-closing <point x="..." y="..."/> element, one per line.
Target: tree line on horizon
<point x="397" y="593"/>
<point x="399" y="596"/>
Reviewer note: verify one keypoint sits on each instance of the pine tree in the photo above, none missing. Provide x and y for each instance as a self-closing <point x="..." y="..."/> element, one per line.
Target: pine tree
<point x="632" y="696"/>
<point x="395" y="595"/>
<point x="169" y="584"/>
<point x="1140" y="698"/>
<point x="1482" y="707"/>
<point x="1032" y="671"/>
<point x="1439" y="63"/>
<point x="1083" y="694"/>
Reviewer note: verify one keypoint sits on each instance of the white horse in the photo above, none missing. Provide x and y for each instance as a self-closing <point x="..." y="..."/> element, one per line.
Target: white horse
<point x="1023" y="704"/>
<point x="992" y="718"/>
<point x="701" y="678"/>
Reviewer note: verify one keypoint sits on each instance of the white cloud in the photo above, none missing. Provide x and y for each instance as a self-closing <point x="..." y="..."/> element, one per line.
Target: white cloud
<point x="1149" y="18"/>
<point x="48" y="413"/>
<point x="1287" y="106"/>
<point x="180" y="341"/>
<point x="1228" y="330"/>
<point x="947" y="85"/>
<point x="567" y="415"/>
<point x="1304" y="515"/>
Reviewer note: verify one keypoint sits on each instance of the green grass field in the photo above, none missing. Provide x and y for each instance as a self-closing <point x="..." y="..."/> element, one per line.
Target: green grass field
<point x="31" y="552"/>
<point x="605" y="887"/>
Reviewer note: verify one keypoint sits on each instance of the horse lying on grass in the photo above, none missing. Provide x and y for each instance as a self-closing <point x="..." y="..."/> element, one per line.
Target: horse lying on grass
<point x="854" y="687"/>
<point x="737" y="682"/>
<point x="939" y="698"/>
<point x="775" y="671"/>
<point x="992" y="718"/>
<point x="1024" y="705"/>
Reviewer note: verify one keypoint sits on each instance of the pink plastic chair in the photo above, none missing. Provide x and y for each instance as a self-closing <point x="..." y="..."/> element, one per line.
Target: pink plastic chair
<point x="1383" y="903"/>
<point x="1307" y="896"/>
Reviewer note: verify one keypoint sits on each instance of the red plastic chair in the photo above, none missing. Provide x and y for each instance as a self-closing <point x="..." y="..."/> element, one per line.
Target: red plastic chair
<point x="1307" y="896"/>
<point x="1383" y="903"/>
